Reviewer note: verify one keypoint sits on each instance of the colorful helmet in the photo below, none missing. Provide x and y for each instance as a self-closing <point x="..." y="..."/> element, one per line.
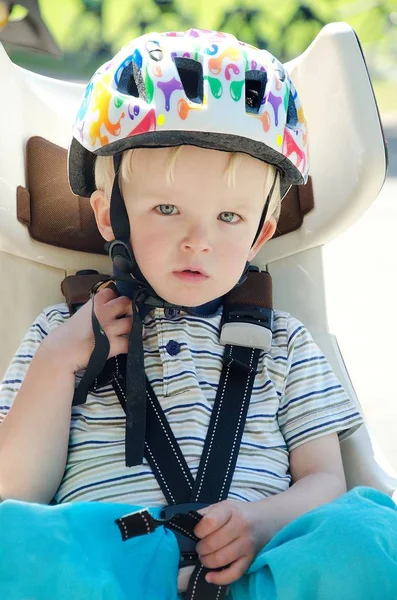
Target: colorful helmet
<point x="201" y="88"/>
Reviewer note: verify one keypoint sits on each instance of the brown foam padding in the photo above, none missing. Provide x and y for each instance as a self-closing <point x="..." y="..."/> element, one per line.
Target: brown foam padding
<point x="57" y="216"/>
<point x="23" y="206"/>
<point x="54" y="215"/>
<point x="76" y="288"/>
<point x="296" y="204"/>
<point x="255" y="291"/>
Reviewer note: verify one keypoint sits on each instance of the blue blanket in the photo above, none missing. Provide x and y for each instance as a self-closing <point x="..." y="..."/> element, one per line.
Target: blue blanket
<point x="345" y="550"/>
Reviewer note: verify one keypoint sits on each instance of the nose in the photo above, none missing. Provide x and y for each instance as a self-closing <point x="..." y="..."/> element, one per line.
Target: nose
<point x="196" y="239"/>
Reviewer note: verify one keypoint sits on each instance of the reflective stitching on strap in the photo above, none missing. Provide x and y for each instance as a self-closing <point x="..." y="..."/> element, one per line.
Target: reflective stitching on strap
<point x="195" y="582"/>
<point x="116" y="381"/>
<point x="198" y="519"/>
<point x="214" y="430"/>
<point x="194" y="589"/>
<point x="146" y="522"/>
<point x="159" y="472"/>
<point x="124" y="526"/>
<point x="121" y="521"/>
<point x="148" y="449"/>
<point x="169" y="440"/>
<point x="186" y="533"/>
<point x="238" y="427"/>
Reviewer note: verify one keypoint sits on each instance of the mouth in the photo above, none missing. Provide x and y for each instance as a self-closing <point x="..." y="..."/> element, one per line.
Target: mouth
<point x="191" y="274"/>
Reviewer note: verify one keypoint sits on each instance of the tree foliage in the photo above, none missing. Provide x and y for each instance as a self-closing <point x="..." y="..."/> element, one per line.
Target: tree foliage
<point x="93" y="30"/>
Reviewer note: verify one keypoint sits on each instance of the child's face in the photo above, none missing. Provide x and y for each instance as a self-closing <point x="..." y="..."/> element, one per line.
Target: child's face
<point x="195" y="222"/>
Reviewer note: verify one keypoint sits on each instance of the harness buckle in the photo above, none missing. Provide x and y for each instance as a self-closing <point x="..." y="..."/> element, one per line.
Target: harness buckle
<point x="187" y="546"/>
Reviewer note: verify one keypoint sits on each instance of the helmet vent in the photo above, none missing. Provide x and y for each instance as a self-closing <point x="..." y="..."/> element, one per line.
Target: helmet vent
<point x="131" y="81"/>
<point x="292" y="115"/>
<point x="255" y="86"/>
<point x="191" y="76"/>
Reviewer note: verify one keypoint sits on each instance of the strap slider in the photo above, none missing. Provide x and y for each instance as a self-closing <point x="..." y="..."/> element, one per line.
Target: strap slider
<point x="137" y="523"/>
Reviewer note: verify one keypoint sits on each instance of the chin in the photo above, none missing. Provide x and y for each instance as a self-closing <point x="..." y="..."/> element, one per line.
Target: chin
<point x="190" y="296"/>
<point x="193" y="297"/>
<point x="186" y="297"/>
<point x="189" y="300"/>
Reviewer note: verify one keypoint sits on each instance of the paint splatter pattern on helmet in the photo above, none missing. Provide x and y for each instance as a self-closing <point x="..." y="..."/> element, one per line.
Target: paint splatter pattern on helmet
<point x="113" y="110"/>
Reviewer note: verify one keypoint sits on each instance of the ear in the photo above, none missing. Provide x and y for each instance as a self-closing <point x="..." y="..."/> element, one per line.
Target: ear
<point x="101" y="209"/>
<point x="267" y="232"/>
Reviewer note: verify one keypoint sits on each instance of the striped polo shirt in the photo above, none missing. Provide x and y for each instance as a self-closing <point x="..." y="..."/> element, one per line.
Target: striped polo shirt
<point x="296" y="398"/>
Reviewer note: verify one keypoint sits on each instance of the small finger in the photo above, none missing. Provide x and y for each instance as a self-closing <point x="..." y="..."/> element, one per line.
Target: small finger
<point x="217" y="540"/>
<point x="225" y="555"/>
<point x="121" y="326"/>
<point x="105" y="295"/>
<point x="120" y="306"/>
<point x="204" y="511"/>
<point x="216" y="518"/>
<point x="230" y="574"/>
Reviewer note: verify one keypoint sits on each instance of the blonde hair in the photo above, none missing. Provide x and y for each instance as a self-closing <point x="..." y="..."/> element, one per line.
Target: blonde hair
<point x="104" y="176"/>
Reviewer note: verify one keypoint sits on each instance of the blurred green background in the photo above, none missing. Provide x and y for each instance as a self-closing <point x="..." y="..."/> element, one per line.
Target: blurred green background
<point x="89" y="32"/>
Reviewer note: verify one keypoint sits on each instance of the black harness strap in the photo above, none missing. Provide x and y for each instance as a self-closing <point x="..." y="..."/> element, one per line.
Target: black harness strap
<point x="149" y="434"/>
<point x="135" y="395"/>
<point x="164" y="455"/>
<point x="96" y="363"/>
<point x="222" y="444"/>
<point x="226" y="426"/>
<point x="161" y="450"/>
<point x="219" y="456"/>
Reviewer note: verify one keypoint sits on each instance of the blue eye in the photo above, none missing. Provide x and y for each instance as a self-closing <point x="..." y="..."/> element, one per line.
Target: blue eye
<point x="166" y="209"/>
<point x="227" y="217"/>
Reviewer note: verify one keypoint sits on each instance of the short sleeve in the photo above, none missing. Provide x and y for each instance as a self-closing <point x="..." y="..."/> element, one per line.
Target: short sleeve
<point x="313" y="403"/>
<point x="9" y="387"/>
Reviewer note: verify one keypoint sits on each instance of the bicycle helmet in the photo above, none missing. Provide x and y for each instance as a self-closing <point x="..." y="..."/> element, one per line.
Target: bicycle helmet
<point x="202" y="88"/>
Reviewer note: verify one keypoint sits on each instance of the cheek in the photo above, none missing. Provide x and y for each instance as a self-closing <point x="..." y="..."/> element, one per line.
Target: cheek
<point x="150" y="249"/>
<point x="235" y="248"/>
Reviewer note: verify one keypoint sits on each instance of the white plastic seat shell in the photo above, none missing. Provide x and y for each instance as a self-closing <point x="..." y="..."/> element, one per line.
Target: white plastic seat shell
<point x="348" y="166"/>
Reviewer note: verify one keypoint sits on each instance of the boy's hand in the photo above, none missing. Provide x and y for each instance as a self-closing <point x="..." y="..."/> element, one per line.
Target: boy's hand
<point x="229" y="536"/>
<point x="74" y="339"/>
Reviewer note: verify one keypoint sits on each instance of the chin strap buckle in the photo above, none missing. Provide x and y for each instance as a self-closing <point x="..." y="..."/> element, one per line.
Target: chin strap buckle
<point x="121" y="255"/>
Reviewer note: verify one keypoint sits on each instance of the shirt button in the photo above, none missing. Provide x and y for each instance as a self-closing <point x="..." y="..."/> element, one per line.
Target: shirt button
<point x="171" y="313"/>
<point x="173" y="348"/>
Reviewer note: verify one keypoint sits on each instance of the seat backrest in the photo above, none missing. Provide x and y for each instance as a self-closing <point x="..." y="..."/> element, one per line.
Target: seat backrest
<point x="348" y="166"/>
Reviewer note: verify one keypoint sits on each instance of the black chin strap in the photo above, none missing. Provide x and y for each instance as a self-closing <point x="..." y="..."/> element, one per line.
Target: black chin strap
<point x="118" y="212"/>
<point x="266" y="208"/>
